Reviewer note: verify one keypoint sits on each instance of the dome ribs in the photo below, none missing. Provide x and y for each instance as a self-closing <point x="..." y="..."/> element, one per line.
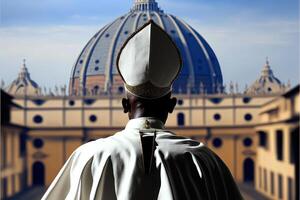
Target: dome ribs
<point x="191" y="78"/>
<point x="86" y="61"/>
<point x="111" y="55"/>
<point x="208" y="59"/>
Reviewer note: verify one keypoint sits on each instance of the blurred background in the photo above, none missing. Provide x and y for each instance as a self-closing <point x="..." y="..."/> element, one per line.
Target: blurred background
<point x="238" y="91"/>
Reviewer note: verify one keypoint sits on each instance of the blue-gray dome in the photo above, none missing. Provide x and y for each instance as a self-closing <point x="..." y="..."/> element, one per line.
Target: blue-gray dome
<point x="95" y="69"/>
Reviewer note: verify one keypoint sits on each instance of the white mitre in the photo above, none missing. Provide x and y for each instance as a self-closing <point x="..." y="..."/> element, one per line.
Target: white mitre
<point x="149" y="62"/>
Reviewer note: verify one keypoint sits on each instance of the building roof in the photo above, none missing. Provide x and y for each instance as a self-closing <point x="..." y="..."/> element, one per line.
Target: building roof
<point x="200" y="64"/>
<point x="23" y="84"/>
<point x="267" y="82"/>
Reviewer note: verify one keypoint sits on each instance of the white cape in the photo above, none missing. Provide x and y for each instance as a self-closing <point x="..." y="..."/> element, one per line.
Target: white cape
<point x="118" y="167"/>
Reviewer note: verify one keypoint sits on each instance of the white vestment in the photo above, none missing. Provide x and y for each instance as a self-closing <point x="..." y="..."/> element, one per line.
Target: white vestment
<point x="143" y="161"/>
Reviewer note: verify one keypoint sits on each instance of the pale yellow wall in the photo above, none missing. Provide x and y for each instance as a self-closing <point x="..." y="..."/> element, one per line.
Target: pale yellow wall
<point x="102" y="118"/>
<point x="226" y="117"/>
<point x="198" y="112"/>
<point x="73" y="118"/>
<point x="17" y="117"/>
<point x="225" y="102"/>
<point x="52" y="103"/>
<point x="266" y="159"/>
<point x="240" y="116"/>
<point x="51" y="118"/>
<point x="102" y="103"/>
<point x="172" y="119"/>
<point x="197" y="117"/>
<point x="14" y="165"/>
<point x="77" y="103"/>
<point x="119" y="119"/>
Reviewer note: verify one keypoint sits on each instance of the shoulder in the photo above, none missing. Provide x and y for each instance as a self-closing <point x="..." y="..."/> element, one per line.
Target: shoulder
<point x="108" y="145"/>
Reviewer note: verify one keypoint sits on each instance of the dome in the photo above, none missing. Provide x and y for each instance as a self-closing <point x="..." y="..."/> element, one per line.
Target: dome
<point x="267" y="82"/>
<point x="23" y="85"/>
<point x="95" y="69"/>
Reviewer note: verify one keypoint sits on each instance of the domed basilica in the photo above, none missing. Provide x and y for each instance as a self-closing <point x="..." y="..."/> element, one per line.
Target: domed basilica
<point x="95" y="69"/>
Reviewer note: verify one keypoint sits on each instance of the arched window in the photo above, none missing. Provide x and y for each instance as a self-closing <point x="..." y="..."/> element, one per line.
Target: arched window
<point x="96" y="90"/>
<point x="38" y="173"/>
<point x="180" y="119"/>
<point x="248" y="170"/>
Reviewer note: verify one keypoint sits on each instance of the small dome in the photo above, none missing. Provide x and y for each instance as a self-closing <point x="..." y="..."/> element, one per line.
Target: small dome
<point x="23" y="84"/>
<point x="267" y="82"/>
<point x="95" y="69"/>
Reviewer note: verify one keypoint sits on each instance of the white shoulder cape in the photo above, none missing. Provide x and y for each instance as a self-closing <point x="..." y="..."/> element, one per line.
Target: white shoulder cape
<point x="114" y="168"/>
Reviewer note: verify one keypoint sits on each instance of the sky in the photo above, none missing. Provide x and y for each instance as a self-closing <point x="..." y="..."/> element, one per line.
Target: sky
<point x="50" y="34"/>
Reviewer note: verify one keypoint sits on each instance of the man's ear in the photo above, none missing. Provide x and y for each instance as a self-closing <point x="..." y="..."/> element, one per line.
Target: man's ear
<point x="126" y="105"/>
<point x="172" y="104"/>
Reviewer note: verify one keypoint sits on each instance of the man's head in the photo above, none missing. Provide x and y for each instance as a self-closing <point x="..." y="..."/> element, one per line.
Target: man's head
<point x="140" y="107"/>
<point x="149" y="62"/>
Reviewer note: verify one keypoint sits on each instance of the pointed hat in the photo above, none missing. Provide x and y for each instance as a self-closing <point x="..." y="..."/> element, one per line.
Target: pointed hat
<point x="149" y="62"/>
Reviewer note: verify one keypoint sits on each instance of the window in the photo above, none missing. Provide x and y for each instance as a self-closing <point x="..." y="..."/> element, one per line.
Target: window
<point x="280" y="192"/>
<point x="246" y="100"/>
<point x="38" y="119"/>
<point x="279" y="144"/>
<point x="260" y="177"/>
<point x="89" y="101"/>
<point x="216" y="100"/>
<point x="272" y="182"/>
<point x="217" y="117"/>
<point x="125" y="32"/>
<point x="248" y="117"/>
<point x="81" y="61"/>
<point x="265" y="180"/>
<point x="263" y="139"/>
<point x="121" y="89"/>
<point x="180" y="119"/>
<point x="217" y="142"/>
<point x="38" y="143"/>
<point x="291" y="193"/>
<point x="93" y="118"/>
<point x="173" y="31"/>
<point x="294" y="145"/>
<point x="107" y="35"/>
<point x="96" y="68"/>
<point x="39" y="102"/>
<point x="180" y="102"/>
<point x="71" y="102"/>
<point x="22" y="139"/>
<point x="247" y="142"/>
<point x="96" y="90"/>
<point x="96" y="61"/>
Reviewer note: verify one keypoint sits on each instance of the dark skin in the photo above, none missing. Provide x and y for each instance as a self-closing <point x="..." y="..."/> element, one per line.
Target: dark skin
<point x="158" y="108"/>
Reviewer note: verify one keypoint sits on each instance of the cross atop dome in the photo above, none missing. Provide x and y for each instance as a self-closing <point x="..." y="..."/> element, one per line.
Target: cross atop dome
<point x="23" y="84"/>
<point x="267" y="60"/>
<point x="145" y="5"/>
<point x="267" y="69"/>
<point x="24" y="71"/>
<point x="267" y="82"/>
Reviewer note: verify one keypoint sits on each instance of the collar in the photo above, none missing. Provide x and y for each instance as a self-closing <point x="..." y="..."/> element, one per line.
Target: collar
<point x="145" y="123"/>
